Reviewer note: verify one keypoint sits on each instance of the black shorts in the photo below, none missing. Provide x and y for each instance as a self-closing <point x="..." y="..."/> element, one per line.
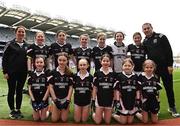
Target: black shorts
<point x="79" y="103"/>
<point x="151" y="106"/>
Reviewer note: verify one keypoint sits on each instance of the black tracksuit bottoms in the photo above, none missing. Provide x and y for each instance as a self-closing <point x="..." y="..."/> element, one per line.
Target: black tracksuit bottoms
<point x="167" y="80"/>
<point x="16" y="83"/>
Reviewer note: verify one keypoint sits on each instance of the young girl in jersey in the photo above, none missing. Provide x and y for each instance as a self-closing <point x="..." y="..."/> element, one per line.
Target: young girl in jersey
<point x="39" y="90"/>
<point x="127" y="92"/>
<point x="37" y="49"/>
<point x="59" y="46"/>
<point x="137" y="52"/>
<point x="100" y="49"/>
<point x="119" y="51"/>
<point x="82" y="92"/>
<point x="103" y="91"/>
<point x="61" y="89"/>
<point x="150" y="87"/>
<point x="138" y="55"/>
<point x="83" y="51"/>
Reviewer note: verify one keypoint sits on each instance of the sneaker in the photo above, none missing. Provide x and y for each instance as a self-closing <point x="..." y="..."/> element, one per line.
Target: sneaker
<point x="12" y="114"/>
<point x="18" y="114"/>
<point x="174" y="112"/>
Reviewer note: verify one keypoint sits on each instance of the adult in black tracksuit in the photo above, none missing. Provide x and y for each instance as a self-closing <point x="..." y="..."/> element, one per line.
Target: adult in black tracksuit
<point x="159" y="50"/>
<point x="14" y="64"/>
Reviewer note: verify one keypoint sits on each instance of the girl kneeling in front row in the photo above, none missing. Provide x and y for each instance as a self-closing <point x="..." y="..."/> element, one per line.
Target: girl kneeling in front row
<point x="150" y="87"/>
<point x="39" y="90"/>
<point x="103" y="91"/>
<point x="82" y="92"/>
<point x="127" y="93"/>
<point x="60" y="83"/>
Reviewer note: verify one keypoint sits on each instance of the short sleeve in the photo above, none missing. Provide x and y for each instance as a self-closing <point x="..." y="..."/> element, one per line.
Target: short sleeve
<point x="91" y="82"/>
<point x="95" y="79"/>
<point x="116" y="85"/>
<point x="159" y="87"/>
<point x="51" y="80"/>
<point x="29" y="80"/>
<point x="71" y="81"/>
<point x="30" y="51"/>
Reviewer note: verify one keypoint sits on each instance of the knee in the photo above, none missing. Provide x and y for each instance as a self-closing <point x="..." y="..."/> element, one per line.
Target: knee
<point x="97" y="122"/>
<point x="130" y="122"/>
<point x="145" y="121"/>
<point x="64" y="119"/>
<point x="43" y="118"/>
<point x="154" y="121"/>
<point x="107" y="122"/>
<point x="123" y="122"/>
<point x="54" y="119"/>
<point x="84" y="120"/>
<point x="77" y="120"/>
<point x="36" y="119"/>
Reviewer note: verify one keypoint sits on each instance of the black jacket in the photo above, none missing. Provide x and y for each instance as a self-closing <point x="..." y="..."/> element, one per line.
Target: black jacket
<point x="159" y="50"/>
<point x="14" y="58"/>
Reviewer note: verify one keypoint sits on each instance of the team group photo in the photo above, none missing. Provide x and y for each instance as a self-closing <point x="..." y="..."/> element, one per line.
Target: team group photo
<point x="87" y="81"/>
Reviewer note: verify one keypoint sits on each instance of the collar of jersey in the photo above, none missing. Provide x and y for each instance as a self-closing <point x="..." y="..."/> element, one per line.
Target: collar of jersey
<point x="15" y="40"/>
<point x="40" y="46"/>
<point x="147" y="76"/>
<point x="128" y="75"/>
<point x="39" y="73"/>
<point x="137" y="46"/>
<point x="109" y="70"/>
<point x="20" y="44"/>
<point x="61" y="44"/>
<point x="83" y="48"/>
<point x="122" y="45"/>
<point x="101" y="48"/>
<point x="87" y="74"/>
<point x="59" y="71"/>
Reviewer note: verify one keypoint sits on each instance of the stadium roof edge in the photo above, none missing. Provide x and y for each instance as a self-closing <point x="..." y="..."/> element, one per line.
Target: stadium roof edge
<point x="21" y="16"/>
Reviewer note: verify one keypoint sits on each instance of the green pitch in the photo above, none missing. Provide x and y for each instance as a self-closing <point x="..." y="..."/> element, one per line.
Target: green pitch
<point x="27" y="110"/>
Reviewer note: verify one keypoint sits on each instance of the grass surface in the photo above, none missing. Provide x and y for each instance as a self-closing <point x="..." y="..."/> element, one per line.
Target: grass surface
<point x="27" y="110"/>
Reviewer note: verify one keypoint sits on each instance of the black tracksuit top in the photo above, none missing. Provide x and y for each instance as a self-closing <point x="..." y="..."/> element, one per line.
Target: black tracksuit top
<point x="159" y="49"/>
<point x="14" y="58"/>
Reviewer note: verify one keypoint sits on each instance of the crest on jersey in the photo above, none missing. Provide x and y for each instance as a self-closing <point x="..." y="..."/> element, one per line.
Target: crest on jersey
<point x="43" y="80"/>
<point x="155" y="41"/>
<point x="137" y="51"/>
<point x="82" y="83"/>
<point x="129" y="81"/>
<point x="66" y="50"/>
<point x="61" y="79"/>
<point x="67" y="79"/>
<point x="106" y="78"/>
<point x="83" y="53"/>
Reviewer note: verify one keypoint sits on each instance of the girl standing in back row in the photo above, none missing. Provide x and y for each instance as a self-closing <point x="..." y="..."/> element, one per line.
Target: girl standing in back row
<point x="38" y="49"/>
<point x="100" y="49"/>
<point x="119" y="51"/>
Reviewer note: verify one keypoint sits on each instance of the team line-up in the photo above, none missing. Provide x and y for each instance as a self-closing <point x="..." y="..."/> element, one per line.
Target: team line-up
<point x="111" y="81"/>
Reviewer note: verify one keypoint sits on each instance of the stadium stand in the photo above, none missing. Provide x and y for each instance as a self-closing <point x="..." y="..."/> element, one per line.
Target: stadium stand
<point x="12" y="17"/>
